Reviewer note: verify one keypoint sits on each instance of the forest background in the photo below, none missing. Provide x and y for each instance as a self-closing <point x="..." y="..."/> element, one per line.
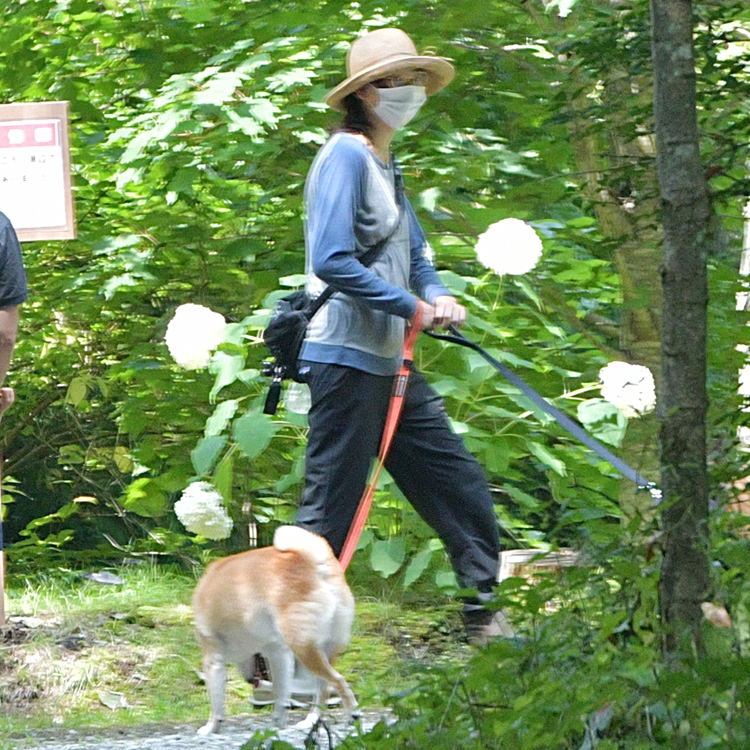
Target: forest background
<point x="193" y="125"/>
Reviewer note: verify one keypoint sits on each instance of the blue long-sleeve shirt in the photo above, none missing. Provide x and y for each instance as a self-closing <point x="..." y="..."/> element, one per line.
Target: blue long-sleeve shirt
<point x="350" y="206"/>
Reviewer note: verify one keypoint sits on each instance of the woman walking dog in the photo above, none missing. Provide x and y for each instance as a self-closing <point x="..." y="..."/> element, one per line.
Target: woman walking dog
<point x="354" y="201"/>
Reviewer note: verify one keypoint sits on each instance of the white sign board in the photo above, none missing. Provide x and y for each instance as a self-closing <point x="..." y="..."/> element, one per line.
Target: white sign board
<point x="35" y="185"/>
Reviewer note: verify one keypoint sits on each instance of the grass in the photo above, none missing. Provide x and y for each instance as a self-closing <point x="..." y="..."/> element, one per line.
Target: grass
<point x="78" y="654"/>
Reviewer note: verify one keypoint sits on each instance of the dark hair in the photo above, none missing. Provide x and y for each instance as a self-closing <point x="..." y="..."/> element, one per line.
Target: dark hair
<point x="356" y="118"/>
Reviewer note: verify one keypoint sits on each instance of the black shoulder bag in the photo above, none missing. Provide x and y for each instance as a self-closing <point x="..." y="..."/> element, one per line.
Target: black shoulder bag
<point x="286" y="330"/>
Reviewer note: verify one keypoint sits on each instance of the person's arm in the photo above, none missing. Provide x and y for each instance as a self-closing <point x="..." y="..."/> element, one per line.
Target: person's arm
<point x="8" y="329"/>
<point x="331" y="239"/>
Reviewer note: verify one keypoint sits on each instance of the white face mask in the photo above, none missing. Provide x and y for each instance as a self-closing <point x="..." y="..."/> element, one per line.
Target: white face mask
<point x="399" y="105"/>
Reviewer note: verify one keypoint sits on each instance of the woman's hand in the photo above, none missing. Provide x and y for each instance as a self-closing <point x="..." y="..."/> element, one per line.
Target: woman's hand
<point x="445" y="312"/>
<point x="448" y="312"/>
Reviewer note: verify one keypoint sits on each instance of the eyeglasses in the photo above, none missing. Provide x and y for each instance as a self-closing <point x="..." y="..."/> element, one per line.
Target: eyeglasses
<point x="407" y="78"/>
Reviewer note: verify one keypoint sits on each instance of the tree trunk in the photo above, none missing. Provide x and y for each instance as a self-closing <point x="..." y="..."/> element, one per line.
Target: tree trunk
<point x="683" y="401"/>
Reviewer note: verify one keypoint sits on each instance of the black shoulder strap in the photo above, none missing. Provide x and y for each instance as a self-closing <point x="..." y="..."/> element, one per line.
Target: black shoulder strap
<point x="374" y="252"/>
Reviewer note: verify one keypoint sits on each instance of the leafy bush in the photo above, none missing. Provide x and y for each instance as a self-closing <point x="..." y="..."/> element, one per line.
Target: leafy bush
<point x="586" y="670"/>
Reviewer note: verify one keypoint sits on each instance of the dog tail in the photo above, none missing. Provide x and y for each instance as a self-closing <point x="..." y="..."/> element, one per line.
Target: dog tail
<point x="294" y="538"/>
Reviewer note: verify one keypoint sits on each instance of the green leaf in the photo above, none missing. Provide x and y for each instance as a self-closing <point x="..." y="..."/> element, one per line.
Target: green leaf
<point x="71" y="454"/>
<point x="387" y="556"/>
<point x="218" y="421"/>
<point x="252" y="63"/>
<point x="144" y="498"/>
<point x="612" y="434"/>
<point x="524" y="285"/>
<point x="288" y="79"/>
<point x="174" y="479"/>
<point x="446" y="579"/>
<point x="263" y="111"/>
<point x="525" y="500"/>
<point x="597" y="416"/>
<point x="417" y="565"/>
<point x="199" y="11"/>
<point x="226" y="367"/>
<point x="476" y="361"/>
<point x="295" y="280"/>
<point x="581" y="222"/>
<point x="163" y="127"/>
<point x="365" y="538"/>
<point x="294" y="476"/>
<point x="453" y="281"/>
<point x="460" y="428"/>
<point x="121" y="281"/>
<point x="595" y="410"/>
<point x="453" y="387"/>
<point x="544" y="455"/>
<point x="253" y="433"/>
<point x="206" y="452"/>
<point x="78" y="389"/>
<point x="248" y="376"/>
<point x="234" y="333"/>
<point x="318" y="137"/>
<point x="219" y="88"/>
<point x="122" y="459"/>
<point x="227" y="55"/>
<point x="246" y="125"/>
<point x="223" y="478"/>
<point x="497" y="456"/>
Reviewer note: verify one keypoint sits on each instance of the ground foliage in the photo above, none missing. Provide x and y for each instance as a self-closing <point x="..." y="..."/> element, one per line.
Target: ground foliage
<point x="90" y="655"/>
<point x="586" y="671"/>
<point x="193" y="125"/>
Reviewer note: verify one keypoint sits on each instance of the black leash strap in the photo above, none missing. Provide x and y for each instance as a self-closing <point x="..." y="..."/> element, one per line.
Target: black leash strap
<point x="560" y="417"/>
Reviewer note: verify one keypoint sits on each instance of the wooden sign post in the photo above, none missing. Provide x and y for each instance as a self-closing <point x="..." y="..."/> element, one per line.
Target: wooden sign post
<point x="36" y="194"/>
<point x="35" y="184"/>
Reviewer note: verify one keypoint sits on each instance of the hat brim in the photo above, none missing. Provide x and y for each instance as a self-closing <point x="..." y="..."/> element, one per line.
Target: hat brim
<point x="439" y="71"/>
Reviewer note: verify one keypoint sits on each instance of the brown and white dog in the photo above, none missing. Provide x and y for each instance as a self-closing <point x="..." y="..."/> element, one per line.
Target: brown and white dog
<point x="285" y="601"/>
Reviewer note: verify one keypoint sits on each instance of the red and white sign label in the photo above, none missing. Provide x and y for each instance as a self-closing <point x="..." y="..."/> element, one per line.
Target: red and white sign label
<point x="29" y="134"/>
<point x="32" y="177"/>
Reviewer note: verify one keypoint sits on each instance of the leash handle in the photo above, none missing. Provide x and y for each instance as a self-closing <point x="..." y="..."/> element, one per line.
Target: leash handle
<point x="395" y="405"/>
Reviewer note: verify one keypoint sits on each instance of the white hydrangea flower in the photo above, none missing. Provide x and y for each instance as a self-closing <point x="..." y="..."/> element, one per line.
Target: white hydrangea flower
<point x="192" y="334"/>
<point x="509" y="246"/>
<point x="628" y="387"/>
<point x="201" y="511"/>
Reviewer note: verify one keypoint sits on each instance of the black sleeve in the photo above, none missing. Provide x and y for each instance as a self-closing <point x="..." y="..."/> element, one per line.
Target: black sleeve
<point x="12" y="274"/>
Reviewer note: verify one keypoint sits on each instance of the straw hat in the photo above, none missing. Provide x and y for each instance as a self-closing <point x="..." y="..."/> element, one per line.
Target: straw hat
<point x="383" y="53"/>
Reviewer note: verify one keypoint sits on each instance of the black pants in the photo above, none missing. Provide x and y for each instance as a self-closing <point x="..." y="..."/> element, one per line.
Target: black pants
<point x="428" y="461"/>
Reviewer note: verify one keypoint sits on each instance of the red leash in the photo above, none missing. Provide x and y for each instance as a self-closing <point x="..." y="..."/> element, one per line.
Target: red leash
<point x="391" y="423"/>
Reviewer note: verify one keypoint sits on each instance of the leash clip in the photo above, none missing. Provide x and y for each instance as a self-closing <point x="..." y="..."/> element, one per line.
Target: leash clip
<point x="657" y="496"/>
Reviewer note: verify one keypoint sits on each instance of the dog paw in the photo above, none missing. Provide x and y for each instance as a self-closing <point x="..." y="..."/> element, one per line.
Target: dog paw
<point x="212" y="727"/>
<point x="307" y="723"/>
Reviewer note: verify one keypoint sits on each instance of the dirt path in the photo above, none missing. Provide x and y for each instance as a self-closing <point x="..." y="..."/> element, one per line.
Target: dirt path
<point x="235" y="733"/>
